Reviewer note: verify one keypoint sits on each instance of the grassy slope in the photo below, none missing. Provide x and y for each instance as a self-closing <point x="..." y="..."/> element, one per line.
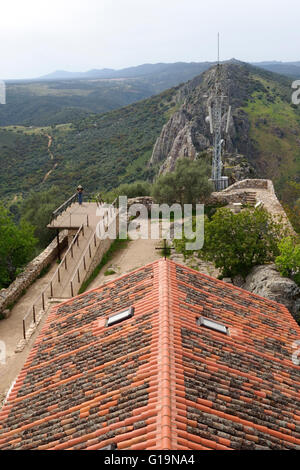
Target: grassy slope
<point x="275" y="131"/>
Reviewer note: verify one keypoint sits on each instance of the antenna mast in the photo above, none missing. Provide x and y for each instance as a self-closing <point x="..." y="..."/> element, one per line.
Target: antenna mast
<point x="215" y="111"/>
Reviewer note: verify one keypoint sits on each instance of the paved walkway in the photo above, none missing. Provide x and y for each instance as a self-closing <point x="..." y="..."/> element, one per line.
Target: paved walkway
<point x="75" y="215"/>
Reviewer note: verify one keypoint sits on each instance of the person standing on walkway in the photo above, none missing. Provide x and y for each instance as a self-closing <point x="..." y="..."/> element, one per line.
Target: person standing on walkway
<point x="80" y="194"/>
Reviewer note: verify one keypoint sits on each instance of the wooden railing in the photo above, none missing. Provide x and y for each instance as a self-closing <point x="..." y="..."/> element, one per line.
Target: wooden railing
<point x="92" y="246"/>
<point x="63" y="207"/>
<point x="40" y="302"/>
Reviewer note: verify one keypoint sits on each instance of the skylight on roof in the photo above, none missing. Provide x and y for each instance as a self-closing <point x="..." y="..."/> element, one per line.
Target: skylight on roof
<point x="112" y="446"/>
<point x="212" y="325"/>
<point x="119" y="317"/>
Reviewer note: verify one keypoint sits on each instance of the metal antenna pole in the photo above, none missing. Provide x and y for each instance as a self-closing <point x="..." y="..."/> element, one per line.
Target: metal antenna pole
<point x="215" y="108"/>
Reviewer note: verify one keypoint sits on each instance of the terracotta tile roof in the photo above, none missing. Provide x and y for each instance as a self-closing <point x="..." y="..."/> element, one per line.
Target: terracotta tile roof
<point x="158" y="380"/>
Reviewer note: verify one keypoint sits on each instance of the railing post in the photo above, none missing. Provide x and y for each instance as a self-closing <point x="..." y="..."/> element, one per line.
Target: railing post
<point x="33" y="313"/>
<point x="58" y="275"/>
<point x="95" y="241"/>
<point x="77" y="240"/>
<point x="72" y="291"/>
<point x="82" y="229"/>
<point x="87" y="220"/>
<point x="66" y="263"/>
<point x="90" y="251"/>
<point x="51" y="288"/>
<point x="24" y="330"/>
<point x="43" y="300"/>
<point x="84" y="263"/>
<point x="72" y="250"/>
<point x="78" y="275"/>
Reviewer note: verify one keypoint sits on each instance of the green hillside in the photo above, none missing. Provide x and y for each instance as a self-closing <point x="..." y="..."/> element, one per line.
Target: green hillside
<point x="275" y="131"/>
<point x="24" y="160"/>
<point x="100" y="151"/>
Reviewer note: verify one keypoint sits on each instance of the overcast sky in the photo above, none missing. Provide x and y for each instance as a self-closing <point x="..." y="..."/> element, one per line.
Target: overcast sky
<point x="40" y="36"/>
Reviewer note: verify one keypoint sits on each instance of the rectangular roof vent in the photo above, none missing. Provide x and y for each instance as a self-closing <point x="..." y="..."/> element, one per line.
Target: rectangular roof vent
<point x="119" y="317"/>
<point x="212" y="325"/>
<point x="112" y="446"/>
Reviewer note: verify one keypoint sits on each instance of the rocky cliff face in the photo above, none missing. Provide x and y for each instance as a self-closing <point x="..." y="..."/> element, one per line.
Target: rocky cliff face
<point x="187" y="133"/>
<point x="267" y="282"/>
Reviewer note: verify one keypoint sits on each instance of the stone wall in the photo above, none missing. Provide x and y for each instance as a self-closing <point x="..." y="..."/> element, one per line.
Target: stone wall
<point x="103" y="247"/>
<point x="146" y="201"/>
<point x="228" y="198"/>
<point x="248" y="184"/>
<point x="10" y="295"/>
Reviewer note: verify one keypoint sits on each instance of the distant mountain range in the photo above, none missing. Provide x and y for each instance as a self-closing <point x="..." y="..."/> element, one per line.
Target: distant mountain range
<point x="291" y="69"/>
<point x="131" y="72"/>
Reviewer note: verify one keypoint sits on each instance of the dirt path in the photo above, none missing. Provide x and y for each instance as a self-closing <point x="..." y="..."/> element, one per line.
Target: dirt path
<point x="11" y="333"/>
<point x="50" y="140"/>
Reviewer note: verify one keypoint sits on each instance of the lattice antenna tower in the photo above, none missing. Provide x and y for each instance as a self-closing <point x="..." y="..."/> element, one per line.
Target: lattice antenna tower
<point x="216" y="104"/>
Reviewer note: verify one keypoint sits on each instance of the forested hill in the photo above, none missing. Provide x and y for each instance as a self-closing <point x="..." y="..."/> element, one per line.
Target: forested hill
<point x="100" y="151"/>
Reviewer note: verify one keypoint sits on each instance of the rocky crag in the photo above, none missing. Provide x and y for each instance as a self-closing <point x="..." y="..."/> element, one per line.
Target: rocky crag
<point x="261" y="142"/>
<point x="187" y="133"/>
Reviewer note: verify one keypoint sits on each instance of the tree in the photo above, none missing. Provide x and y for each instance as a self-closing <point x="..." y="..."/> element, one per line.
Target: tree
<point x="288" y="262"/>
<point x="37" y="210"/>
<point x="17" y="246"/>
<point x="237" y="242"/>
<point x="137" y="189"/>
<point x="188" y="184"/>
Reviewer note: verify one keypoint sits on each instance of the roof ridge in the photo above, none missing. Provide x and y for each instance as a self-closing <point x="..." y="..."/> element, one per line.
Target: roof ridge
<point x="164" y="360"/>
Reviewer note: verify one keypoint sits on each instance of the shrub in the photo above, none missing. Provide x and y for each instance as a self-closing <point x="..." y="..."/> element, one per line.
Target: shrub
<point x="238" y="242"/>
<point x="288" y="262"/>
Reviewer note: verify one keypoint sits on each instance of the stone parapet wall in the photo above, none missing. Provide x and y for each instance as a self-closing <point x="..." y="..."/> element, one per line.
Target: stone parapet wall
<point x="103" y="247"/>
<point x="249" y="184"/>
<point x="32" y="271"/>
<point x="146" y="201"/>
<point x="228" y="198"/>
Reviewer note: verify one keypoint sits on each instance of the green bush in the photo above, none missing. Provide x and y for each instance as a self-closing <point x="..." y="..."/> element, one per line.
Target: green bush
<point x="236" y="243"/>
<point x="288" y="262"/>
